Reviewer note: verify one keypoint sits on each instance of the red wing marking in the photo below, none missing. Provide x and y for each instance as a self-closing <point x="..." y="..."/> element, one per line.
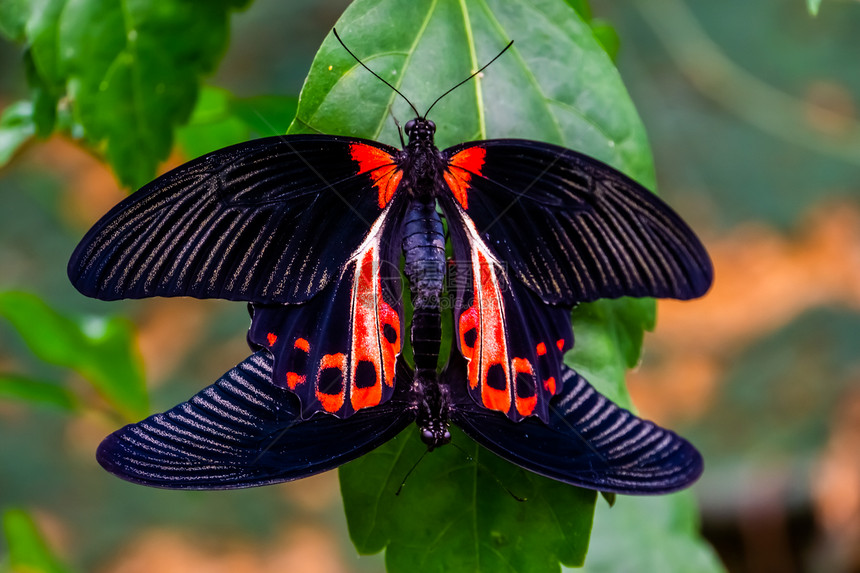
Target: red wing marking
<point x="375" y="330"/>
<point x="526" y="393"/>
<point x="489" y="367"/>
<point x="549" y="384"/>
<point x="541" y="349"/>
<point x="294" y="378"/>
<point x="272" y="338"/>
<point x="471" y="159"/>
<point x="465" y="164"/>
<point x="331" y="402"/>
<point x="381" y="167"/>
<point x="459" y="185"/>
<point x="560" y="344"/>
<point x="372" y="343"/>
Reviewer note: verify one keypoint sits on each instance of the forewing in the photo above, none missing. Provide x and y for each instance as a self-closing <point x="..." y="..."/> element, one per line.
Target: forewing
<point x="588" y="442"/>
<point x="572" y="228"/>
<point x="270" y="220"/>
<point x="243" y="431"/>
<point x="338" y="351"/>
<point x="512" y="341"/>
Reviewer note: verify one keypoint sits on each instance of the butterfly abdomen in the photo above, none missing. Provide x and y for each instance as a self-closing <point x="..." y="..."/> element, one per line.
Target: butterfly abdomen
<point x="424" y="251"/>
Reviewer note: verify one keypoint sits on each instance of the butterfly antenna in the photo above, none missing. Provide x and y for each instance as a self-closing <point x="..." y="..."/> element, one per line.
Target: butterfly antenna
<point x="409" y="473"/>
<point x="486" y="469"/>
<point x="380" y="78"/>
<point x="484" y="67"/>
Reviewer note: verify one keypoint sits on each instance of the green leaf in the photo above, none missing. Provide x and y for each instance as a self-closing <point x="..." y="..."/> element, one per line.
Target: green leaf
<point x="30" y="390"/>
<point x="13" y="18"/>
<point x="221" y="119"/>
<point x="485" y="528"/>
<point x="556" y="84"/>
<point x="16" y="127"/>
<point x="28" y="550"/>
<point x="813" y="6"/>
<point x="650" y="534"/>
<point x="101" y="350"/>
<point x="607" y="36"/>
<point x="582" y="8"/>
<point x="129" y="70"/>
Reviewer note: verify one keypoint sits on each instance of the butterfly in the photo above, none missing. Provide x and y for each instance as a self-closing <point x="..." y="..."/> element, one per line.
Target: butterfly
<point x="323" y="235"/>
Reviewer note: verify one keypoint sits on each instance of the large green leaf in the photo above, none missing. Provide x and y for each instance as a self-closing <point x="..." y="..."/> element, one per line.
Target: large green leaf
<point x="101" y="350"/>
<point x="129" y="69"/>
<point x="457" y="510"/>
<point x="556" y="84"/>
<point x="28" y="550"/>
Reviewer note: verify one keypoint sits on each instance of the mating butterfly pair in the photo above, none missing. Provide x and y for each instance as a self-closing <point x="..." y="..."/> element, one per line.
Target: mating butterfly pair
<point x="311" y="230"/>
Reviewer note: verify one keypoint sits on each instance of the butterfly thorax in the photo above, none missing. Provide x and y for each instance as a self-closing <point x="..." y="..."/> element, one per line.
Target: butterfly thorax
<point x="421" y="162"/>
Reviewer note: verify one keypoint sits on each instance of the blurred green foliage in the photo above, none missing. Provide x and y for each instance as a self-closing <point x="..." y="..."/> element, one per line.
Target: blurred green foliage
<point x="28" y="552"/>
<point x="813" y="6"/>
<point x="101" y="350"/>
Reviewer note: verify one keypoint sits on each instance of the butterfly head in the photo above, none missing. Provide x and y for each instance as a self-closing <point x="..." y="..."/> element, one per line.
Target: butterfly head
<point x="435" y="434"/>
<point x="420" y="130"/>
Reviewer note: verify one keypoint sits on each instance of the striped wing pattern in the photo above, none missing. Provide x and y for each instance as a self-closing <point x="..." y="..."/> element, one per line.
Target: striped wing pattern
<point x="574" y="229"/>
<point x="270" y="220"/>
<point x="243" y="431"/>
<point x="589" y="442"/>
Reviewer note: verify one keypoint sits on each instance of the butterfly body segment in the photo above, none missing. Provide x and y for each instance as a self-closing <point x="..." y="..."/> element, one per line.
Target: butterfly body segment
<point x="311" y="231"/>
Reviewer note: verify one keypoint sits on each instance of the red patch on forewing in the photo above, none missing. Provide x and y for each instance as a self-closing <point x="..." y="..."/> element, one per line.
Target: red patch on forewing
<point x="272" y="338"/>
<point x="461" y="167"/>
<point x="471" y="159"/>
<point x="332" y="402"/>
<point x="525" y="405"/>
<point x="381" y="168"/>
<point x="490" y="347"/>
<point x="370" y="316"/>
<point x="459" y="185"/>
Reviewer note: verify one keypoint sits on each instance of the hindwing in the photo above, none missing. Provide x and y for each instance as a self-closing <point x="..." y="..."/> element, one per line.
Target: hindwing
<point x="337" y="352"/>
<point x="513" y="342"/>
<point x="586" y="441"/>
<point x="244" y="431"/>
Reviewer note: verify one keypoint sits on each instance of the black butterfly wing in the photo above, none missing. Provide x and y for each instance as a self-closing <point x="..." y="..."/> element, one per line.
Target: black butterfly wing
<point x="244" y="431"/>
<point x="338" y="351"/>
<point x="572" y="228"/>
<point x="270" y="220"/>
<point x="588" y="441"/>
